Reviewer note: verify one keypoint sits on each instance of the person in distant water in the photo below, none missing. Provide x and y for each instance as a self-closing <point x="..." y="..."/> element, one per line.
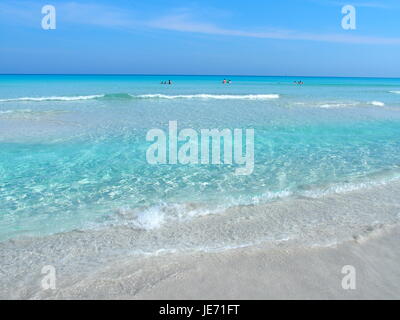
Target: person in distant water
<point x="169" y="82"/>
<point x="224" y="82"/>
<point x="229" y="81"/>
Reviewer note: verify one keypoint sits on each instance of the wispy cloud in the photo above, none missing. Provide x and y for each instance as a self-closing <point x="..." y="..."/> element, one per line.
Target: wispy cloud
<point x="183" y="21"/>
<point x="370" y="5"/>
<point x="362" y="4"/>
<point x="28" y="13"/>
<point x="98" y="15"/>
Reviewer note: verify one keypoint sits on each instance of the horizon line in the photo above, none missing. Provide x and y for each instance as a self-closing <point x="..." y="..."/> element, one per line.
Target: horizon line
<point x="193" y="75"/>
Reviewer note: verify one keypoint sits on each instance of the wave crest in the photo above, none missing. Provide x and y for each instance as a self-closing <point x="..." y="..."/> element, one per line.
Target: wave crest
<point x="212" y="96"/>
<point x="61" y="98"/>
<point x="128" y="96"/>
<point x="337" y="105"/>
<point x="377" y="103"/>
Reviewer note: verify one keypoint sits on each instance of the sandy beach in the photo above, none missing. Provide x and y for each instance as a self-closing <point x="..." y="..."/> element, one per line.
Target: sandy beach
<point x="289" y="273"/>
<point x="251" y="273"/>
<point x="93" y="265"/>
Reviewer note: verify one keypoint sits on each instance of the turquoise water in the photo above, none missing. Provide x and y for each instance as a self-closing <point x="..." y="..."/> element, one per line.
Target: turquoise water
<point x="73" y="148"/>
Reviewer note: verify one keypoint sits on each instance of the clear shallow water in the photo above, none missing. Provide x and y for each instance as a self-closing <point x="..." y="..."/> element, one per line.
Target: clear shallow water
<point x="73" y="147"/>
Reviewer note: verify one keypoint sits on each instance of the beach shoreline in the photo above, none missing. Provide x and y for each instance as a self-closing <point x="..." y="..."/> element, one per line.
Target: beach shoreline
<point x="199" y="151"/>
<point x="99" y="264"/>
<point x="288" y="273"/>
<point x="256" y="272"/>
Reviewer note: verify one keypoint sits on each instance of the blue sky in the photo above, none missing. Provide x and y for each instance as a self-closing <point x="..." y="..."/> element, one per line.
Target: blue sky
<point x="263" y="37"/>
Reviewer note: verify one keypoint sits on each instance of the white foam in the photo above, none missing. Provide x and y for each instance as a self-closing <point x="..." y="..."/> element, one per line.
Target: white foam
<point x="328" y="105"/>
<point x="16" y="111"/>
<point x="55" y="98"/>
<point x="213" y="96"/>
<point x="334" y="105"/>
<point x="377" y="103"/>
<point x="395" y="92"/>
<point x="157" y="216"/>
<point x="338" y="105"/>
<point x="270" y="196"/>
<point x="150" y="96"/>
<point x="342" y="188"/>
<point x="154" y="217"/>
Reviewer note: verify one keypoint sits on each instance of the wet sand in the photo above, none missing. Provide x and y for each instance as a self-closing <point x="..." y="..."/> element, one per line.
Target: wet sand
<point x="289" y="273"/>
<point x="286" y="272"/>
<point x="100" y="264"/>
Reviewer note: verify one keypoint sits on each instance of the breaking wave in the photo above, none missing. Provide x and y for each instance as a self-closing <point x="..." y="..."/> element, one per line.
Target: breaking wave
<point x="377" y="103"/>
<point x="61" y="98"/>
<point x="145" y="96"/>
<point x="15" y="111"/>
<point x="212" y="96"/>
<point x="156" y="216"/>
<point x="336" y="105"/>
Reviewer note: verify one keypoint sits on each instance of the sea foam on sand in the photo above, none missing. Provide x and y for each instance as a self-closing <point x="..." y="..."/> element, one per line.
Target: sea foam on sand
<point x="99" y="264"/>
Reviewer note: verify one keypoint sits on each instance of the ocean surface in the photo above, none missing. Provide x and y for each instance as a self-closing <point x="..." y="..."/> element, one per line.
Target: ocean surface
<point x="73" y="153"/>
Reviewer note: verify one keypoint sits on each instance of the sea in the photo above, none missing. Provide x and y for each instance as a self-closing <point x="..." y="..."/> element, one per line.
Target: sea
<point x="73" y="159"/>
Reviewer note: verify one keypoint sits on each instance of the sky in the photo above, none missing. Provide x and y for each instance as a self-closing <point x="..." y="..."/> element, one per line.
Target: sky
<point x="221" y="37"/>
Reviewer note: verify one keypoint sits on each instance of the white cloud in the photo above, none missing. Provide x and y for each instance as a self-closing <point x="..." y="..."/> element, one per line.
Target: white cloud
<point x="183" y="21"/>
<point x="95" y="14"/>
<point x="365" y="4"/>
